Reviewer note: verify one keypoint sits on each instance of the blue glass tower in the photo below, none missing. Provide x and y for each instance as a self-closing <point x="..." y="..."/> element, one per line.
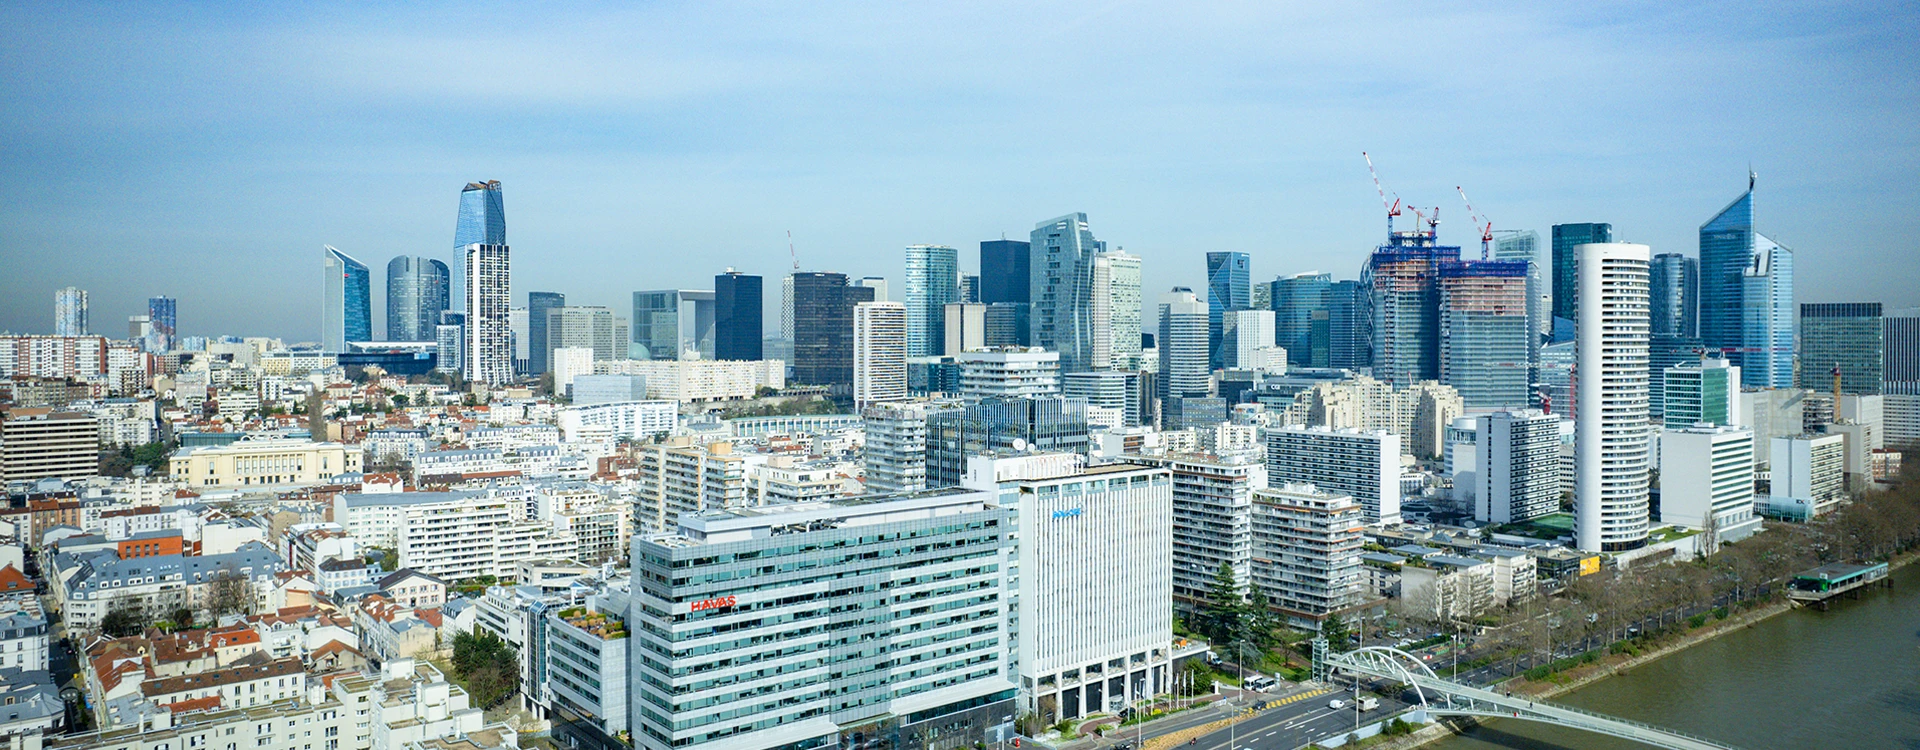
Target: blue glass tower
<point x="1229" y="287"/>
<point x="483" y="215"/>
<point x="1295" y="299"/>
<point x="347" y="312"/>
<point x="1746" y="296"/>
<point x="417" y="292"/>
<point x="1565" y="238"/>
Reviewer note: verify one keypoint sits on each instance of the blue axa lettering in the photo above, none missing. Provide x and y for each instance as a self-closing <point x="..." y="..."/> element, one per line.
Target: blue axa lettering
<point x="1068" y="513"/>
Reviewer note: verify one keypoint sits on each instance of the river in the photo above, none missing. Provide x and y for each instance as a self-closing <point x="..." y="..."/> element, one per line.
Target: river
<point x="1845" y="678"/>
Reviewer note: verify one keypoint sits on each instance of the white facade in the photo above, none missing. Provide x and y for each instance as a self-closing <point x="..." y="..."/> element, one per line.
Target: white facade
<point x="880" y="352"/>
<point x="1306" y="550"/>
<point x="1249" y="339"/>
<point x="1123" y="286"/>
<point x="1212" y="500"/>
<point x="637" y="420"/>
<point x="698" y="380"/>
<point x="1706" y="481"/>
<point x="567" y="363"/>
<point x="488" y="347"/>
<point x="1612" y="435"/>
<point x="1517" y="466"/>
<point x="1364" y="464"/>
<point x="1009" y="372"/>
<point x="1809" y="474"/>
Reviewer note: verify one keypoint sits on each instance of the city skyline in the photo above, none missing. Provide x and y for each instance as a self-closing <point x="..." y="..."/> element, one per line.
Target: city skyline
<point x="1836" y="169"/>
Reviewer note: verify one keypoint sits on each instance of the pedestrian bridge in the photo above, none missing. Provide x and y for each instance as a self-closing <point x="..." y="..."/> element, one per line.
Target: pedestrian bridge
<point x="1440" y="697"/>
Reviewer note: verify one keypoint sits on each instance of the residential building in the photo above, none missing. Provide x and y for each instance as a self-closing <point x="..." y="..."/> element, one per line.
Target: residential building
<point x="346" y="310"/>
<point x="1447" y="587"/>
<point x="678" y="478"/>
<point x="823" y="328"/>
<point x="413" y="589"/>
<point x="1362" y="464"/>
<point x="1184" y="370"/>
<point x="587" y="662"/>
<point x="1229" y="287"/>
<point x="418" y="290"/>
<point x="1613" y="437"/>
<point x="1009" y="372"/>
<point x="89" y="584"/>
<point x="879" y="352"/>
<point x="736" y="316"/>
<point x="1706" y="482"/>
<point x="896" y="449"/>
<point x="24" y="633"/>
<point x="70" y="312"/>
<point x="162" y="324"/>
<point x="1843" y="337"/>
<point x="1808" y="477"/>
<point x="1306" y="551"/>
<point x="700" y="380"/>
<point x="43" y="443"/>
<point x="1212" y="523"/>
<point x="1485" y="334"/>
<point x="932" y="283"/>
<point x="1517" y="457"/>
<point x="1566" y="261"/>
<point x="633" y="420"/>
<point x="673" y="324"/>
<point x="1674" y="292"/>
<point x="1051" y="423"/>
<point x="487" y="352"/>
<point x="1746" y="296"/>
<point x="1061" y="262"/>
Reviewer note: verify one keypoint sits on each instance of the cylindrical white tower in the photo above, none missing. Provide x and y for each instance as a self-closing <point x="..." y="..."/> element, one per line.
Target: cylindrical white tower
<point x="1610" y="495"/>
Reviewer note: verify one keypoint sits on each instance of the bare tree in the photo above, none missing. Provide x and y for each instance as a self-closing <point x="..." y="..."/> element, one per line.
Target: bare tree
<point x="229" y="593"/>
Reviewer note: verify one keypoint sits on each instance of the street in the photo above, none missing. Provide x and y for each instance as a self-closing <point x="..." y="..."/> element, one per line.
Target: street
<point x="1297" y="717"/>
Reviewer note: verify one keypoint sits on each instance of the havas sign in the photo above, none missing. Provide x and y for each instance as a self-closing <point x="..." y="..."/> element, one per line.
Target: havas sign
<point x="716" y="603"/>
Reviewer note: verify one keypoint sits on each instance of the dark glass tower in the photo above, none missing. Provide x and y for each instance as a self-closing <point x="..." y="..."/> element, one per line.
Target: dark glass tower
<point x="1004" y="271"/>
<point x="1049" y="423"/>
<point x="417" y="290"/>
<point x="538" y="303"/>
<point x="823" y="328"/>
<point x="483" y="215"/>
<point x="1675" y="295"/>
<point x="1295" y="299"/>
<point x="1746" y="296"/>
<point x="1849" y="336"/>
<point x="1349" y="326"/>
<point x="1229" y="287"/>
<point x="1565" y="238"/>
<point x="736" y="316"/>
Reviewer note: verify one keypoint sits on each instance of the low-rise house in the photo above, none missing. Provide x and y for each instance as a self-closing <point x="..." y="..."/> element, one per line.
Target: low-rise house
<point x="413" y="589"/>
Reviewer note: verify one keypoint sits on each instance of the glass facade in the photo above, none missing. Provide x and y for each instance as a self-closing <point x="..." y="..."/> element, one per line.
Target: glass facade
<point x="1229" y="287"/>
<point x="1349" y="326"/>
<point x="1675" y="290"/>
<point x="347" y="314"/>
<point x="736" y="316"/>
<point x="417" y="292"/>
<point x="1844" y="335"/>
<point x="539" y="349"/>
<point x="1004" y="274"/>
<point x="677" y="324"/>
<point x="1565" y="238"/>
<point x="1746" y="296"/>
<point x="1484" y="332"/>
<point x="1295" y="300"/>
<point x="483" y="215"/>
<point x="823" y="328"/>
<point x="1403" y="297"/>
<point x="932" y="282"/>
<point x="1051" y="423"/>
<point x="1061" y="261"/>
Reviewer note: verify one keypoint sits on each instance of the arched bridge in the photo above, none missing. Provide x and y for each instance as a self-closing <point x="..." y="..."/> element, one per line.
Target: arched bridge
<point x="1440" y="697"/>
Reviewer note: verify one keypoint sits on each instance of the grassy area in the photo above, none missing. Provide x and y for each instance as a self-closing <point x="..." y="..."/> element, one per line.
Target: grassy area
<point x="1670" y="533"/>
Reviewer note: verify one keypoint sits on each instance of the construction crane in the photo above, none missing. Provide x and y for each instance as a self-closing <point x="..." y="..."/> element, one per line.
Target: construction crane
<point x="1485" y="225"/>
<point x="792" y="252"/>
<point x="1393" y="209"/>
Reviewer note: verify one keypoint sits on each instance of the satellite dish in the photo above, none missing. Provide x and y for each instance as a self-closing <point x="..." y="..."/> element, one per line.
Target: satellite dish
<point x="1019" y="444"/>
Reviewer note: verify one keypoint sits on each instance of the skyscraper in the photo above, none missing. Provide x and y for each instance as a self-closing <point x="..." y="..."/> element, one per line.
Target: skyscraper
<point x="1565" y="238"/>
<point x="932" y="282"/>
<point x="450" y="337"/>
<point x="1048" y="423"/>
<point x="736" y="316"/>
<point x="1613" y="438"/>
<point x="1229" y="287"/>
<point x="674" y="324"/>
<point x="1125" y="303"/>
<point x="1404" y="302"/>
<point x="346" y="310"/>
<point x="162" y="324"/>
<point x="483" y="216"/>
<point x="1900" y="347"/>
<point x="1349" y="326"/>
<point x="1746" y="296"/>
<point x="1524" y="244"/>
<point x="970" y="288"/>
<point x="1183" y="346"/>
<point x="823" y="328"/>
<point x="583" y="327"/>
<point x="879" y="286"/>
<point x="70" y="312"/>
<point x="1295" y="299"/>
<point x="1845" y="335"/>
<point x="1247" y="339"/>
<point x="1702" y="391"/>
<point x="1484" y="332"/>
<point x="1060" y="262"/>
<point x="488" y="349"/>
<point x="1004" y="274"/>
<point x="879" y="352"/>
<point x="1675" y="296"/>
<point x="539" y="349"/>
<point x="418" y="290"/>
<point x="1519" y="461"/>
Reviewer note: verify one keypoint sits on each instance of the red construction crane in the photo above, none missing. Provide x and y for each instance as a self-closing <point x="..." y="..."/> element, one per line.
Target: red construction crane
<point x="1485" y="226"/>
<point x="1393" y="209"/>
<point x="792" y="252"/>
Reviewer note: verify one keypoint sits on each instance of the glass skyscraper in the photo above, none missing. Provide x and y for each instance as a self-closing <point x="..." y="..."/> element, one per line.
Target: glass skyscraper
<point x="417" y="292"/>
<point x="1524" y="244"/>
<point x="346" y="314"/>
<point x="539" y="351"/>
<point x="1061" y="262"/>
<point x="823" y="328"/>
<point x="1183" y="346"/>
<point x="1746" y="296"/>
<point x="1484" y="332"/>
<point x="1229" y="287"/>
<point x="932" y="282"/>
<point x="1403" y="294"/>
<point x="70" y="312"/>
<point x="483" y="215"/>
<point x="1349" y="326"/>
<point x="1846" y="335"/>
<point x="1565" y="238"/>
<point x="1675" y="294"/>
<point x="1295" y="299"/>
<point x="677" y="324"/>
<point x="1044" y="423"/>
<point x="736" y="316"/>
<point x="1004" y="274"/>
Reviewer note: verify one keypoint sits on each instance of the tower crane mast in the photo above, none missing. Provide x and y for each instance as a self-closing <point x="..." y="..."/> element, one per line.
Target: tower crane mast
<point x="1480" y="222"/>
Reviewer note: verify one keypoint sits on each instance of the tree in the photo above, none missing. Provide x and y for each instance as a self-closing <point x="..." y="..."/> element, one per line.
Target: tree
<point x="1259" y="620"/>
<point x="229" y="593"/>
<point x="490" y="667"/>
<point x="1226" y="608"/>
<point x="124" y="620"/>
<point x="1335" y="631"/>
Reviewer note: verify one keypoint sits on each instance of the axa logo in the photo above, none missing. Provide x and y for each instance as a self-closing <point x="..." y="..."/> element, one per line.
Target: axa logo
<point x="1069" y="513"/>
<point x="716" y="603"/>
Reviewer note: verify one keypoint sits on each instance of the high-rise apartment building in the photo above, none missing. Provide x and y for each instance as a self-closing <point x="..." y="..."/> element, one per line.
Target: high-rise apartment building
<point x="1295" y="299"/>
<point x="346" y="310"/>
<point x="896" y="449"/>
<point x="1009" y="372"/>
<point x="1212" y="524"/>
<point x="450" y="341"/>
<point x="1403" y="294"/>
<point x="162" y="324"/>
<point x="43" y="443"/>
<point x="1052" y="423"/>
<point x="418" y="291"/>
<point x="1675" y="296"/>
<point x="1183" y="346"/>
<point x="879" y="352"/>
<point x="1360" y="463"/>
<point x="1307" y="544"/>
<point x="1746" y="296"/>
<point x="932" y="282"/>
<point x="823" y="327"/>
<point x="539" y="348"/>
<point x="1566" y="237"/>
<point x="70" y="312"/>
<point x="1518" y="456"/>
<point x="1229" y="287"/>
<point x="488" y="349"/>
<point x="1484" y="332"/>
<point x="1004" y="272"/>
<point x="1612" y="434"/>
<point x="736" y="316"/>
<point x="1061" y="264"/>
<point x="1844" y="336"/>
<point x="1703" y="391"/>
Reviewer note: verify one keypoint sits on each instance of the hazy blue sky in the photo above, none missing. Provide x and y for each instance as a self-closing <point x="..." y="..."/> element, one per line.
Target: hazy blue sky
<point x="207" y="152"/>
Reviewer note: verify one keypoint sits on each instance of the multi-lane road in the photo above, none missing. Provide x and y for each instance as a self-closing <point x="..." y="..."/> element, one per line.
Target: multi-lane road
<point x="1293" y="719"/>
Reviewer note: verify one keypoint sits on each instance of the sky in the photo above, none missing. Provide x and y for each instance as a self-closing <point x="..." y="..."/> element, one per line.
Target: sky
<point x="207" y="151"/>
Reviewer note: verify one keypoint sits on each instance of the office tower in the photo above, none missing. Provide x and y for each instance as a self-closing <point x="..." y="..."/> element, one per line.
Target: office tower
<point x="1061" y="263"/>
<point x="1004" y="274"/>
<point x="1229" y="287"/>
<point x="450" y="341"/>
<point x="1349" y="325"/>
<point x="1295" y="299"/>
<point x="1706" y="481"/>
<point x="1403" y="297"/>
<point x="539" y="305"/>
<point x="1247" y="340"/>
<point x="896" y="448"/>
<point x="70" y="312"/>
<point x="932" y="281"/>
<point x="1052" y="423"/>
<point x="1556" y="379"/>
<point x="1484" y="332"/>
<point x="566" y="363"/>
<point x="823" y="327"/>
<point x="1108" y="389"/>
<point x="1183" y="345"/>
<point x="483" y="216"/>
<point x="418" y="290"/>
<point x="879" y="286"/>
<point x="1518" y="459"/>
<point x="1124" y="309"/>
<point x="966" y="327"/>
<point x="1849" y="336"/>
<point x="1363" y="464"/>
<point x="162" y="324"/>
<point x="1101" y="534"/>
<point x="1663" y="353"/>
<point x="518" y="326"/>
<point x="879" y="352"/>
<point x="1212" y="525"/>
<point x="1565" y="261"/>
<point x="1262" y="296"/>
<point x="1192" y="412"/>
<point x="1612" y="434"/>
<point x="1009" y="372"/>
<point x="1306" y="552"/>
<point x="1703" y="391"/>
<point x="1007" y="324"/>
<point x="970" y="288"/>
<point x="1675" y="296"/>
<point x="1900" y="352"/>
<point x="786" y="310"/>
<point x="1746" y="296"/>
<point x="346" y="309"/>
<point x="736" y="316"/>
<point x="1524" y="244"/>
<point x="1099" y="314"/>
<point x="583" y="327"/>
<point x="488" y="349"/>
<point x="706" y="569"/>
<point x="678" y="324"/>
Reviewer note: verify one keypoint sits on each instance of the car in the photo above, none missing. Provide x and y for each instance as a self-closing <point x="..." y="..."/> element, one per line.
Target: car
<point x="1336" y="704"/>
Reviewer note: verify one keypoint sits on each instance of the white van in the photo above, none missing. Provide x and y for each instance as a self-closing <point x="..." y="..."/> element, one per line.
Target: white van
<point x="1336" y="704"/>
<point x="1260" y="683"/>
<point x="1369" y="703"/>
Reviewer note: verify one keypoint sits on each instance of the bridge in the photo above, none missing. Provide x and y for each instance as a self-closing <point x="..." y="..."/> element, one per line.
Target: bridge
<point x="1450" y="698"/>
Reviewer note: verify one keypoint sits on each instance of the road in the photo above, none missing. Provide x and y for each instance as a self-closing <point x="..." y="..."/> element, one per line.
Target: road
<point x="1306" y="718"/>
